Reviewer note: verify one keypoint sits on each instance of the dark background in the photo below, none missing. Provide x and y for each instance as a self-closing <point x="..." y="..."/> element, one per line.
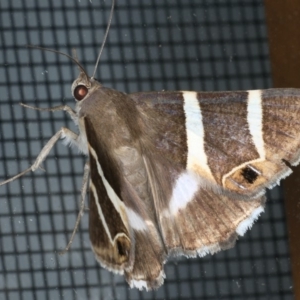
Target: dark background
<point x="152" y="45"/>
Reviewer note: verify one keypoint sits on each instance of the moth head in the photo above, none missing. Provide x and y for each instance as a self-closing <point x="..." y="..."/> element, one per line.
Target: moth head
<point x="83" y="86"/>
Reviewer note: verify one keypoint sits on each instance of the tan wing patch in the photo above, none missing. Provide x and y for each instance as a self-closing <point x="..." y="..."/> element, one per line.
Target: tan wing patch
<point x="210" y="223"/>
<point x="251" y="178"/>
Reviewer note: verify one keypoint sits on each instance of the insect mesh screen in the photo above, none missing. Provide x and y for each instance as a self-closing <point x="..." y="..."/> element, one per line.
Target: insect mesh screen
<point x="152" y="45"/>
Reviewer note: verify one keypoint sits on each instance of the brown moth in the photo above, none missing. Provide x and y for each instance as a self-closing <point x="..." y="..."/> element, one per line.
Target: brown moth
<point x="175" y="173"/>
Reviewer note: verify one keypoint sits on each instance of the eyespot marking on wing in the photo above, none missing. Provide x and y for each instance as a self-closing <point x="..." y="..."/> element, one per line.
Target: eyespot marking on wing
<point x="249" y="174"/>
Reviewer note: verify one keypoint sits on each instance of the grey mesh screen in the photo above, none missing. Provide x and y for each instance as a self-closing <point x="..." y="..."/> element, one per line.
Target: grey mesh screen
<point x="152" y="45"/>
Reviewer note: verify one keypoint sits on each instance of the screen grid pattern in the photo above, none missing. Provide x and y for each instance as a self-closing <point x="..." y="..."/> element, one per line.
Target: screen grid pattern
<point x="152" y="45"/>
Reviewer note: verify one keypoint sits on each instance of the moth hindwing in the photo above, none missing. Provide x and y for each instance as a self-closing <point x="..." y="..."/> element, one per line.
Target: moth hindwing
<point x="175" y="173"/>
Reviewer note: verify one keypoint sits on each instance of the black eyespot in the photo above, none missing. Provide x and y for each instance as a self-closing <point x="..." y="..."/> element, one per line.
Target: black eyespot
<point x="249" y="174"/>
<point x="122" y="251"/>
<point x="80" y="92"/>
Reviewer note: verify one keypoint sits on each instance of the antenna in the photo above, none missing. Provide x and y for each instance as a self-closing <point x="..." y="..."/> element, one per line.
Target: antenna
<point x="67" y="55"/>
<point x="105" y="37"/>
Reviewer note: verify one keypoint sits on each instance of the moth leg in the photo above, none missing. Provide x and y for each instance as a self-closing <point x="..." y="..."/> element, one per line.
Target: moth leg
<point x="82" y="207"/>
<point x="62" y="133"/>
<point x="66" y="108"/>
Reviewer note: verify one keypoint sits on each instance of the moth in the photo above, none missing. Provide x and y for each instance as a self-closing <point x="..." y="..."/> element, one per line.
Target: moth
<point x="175" y="173"/>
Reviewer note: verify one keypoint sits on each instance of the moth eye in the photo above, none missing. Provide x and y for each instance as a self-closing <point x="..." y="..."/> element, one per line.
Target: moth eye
<point x="249" y="174"/>
<point x="80" y="92"/>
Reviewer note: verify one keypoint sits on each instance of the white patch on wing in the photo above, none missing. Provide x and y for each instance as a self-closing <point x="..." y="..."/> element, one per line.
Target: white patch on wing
<point x="139" y="284"/>
<point x="142" y="284"/>
<point x="100" y="212"/>
<point x="255" y="121"/>
<point x="196" y="158"/>
<point x="211" y="249"/>
<point x="135" y="220"/>
<point x="184" y="191"/>
<point x="247" y="223"/>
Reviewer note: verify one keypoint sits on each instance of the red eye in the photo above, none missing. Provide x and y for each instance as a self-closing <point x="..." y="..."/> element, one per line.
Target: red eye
<point x="80" y="92"/>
